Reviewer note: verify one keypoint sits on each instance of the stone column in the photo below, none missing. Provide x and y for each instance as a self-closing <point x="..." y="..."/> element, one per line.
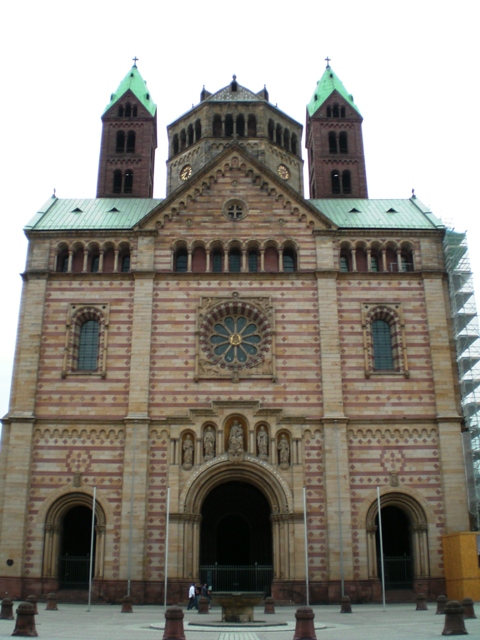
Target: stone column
<point x="100" y="260"/>
<point x="85" y="260"/>
<point x="115" y="260"/>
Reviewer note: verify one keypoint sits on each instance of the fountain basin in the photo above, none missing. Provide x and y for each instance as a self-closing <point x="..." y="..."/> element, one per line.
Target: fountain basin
<point x="237" y="606"/>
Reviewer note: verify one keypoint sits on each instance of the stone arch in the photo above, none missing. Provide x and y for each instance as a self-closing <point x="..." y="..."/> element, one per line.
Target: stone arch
<point x="55" y="514"/>
<point x="417" y="515"/>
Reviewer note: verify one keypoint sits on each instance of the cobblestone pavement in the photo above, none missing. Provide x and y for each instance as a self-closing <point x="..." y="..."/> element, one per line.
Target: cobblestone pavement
<point x="367" y="622"/>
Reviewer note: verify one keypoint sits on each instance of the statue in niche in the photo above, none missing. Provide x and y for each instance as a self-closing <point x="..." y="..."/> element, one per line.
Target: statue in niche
<point x="188" y="452"/>
<point x="262" y="443"/>
<point x="284" y="452"/>
<point x="235" y="442"/>
<point x="209" y="443"/>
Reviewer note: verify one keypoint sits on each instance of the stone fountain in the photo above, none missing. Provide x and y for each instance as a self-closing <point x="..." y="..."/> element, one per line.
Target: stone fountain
<point x="237" y="606"/>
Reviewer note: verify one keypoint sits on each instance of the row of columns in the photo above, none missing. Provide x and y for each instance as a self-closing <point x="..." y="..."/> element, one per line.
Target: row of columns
<point x="353" y="255"/>
<point x="86" y="254"/>
<point x="225" y="259"/>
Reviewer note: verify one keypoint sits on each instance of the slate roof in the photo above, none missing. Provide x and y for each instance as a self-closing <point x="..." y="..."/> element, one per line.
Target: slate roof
<point x="327" y="84"/>
<point x="124" y="213"/>
<point x="242" y="94"/>
<point x="361" y="213"/>
<point x="134" y="82"/>
<point x="91" y="214"/>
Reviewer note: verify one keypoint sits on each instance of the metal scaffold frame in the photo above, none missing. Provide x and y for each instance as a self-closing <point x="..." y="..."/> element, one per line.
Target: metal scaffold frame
<point x="467" y="343"/>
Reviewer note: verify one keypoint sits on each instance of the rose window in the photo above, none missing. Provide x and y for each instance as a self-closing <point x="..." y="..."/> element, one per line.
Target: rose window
<point x="235" y="335"/>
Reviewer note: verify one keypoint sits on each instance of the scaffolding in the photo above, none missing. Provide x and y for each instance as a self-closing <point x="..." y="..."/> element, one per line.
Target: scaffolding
<point x="467" y="344"/>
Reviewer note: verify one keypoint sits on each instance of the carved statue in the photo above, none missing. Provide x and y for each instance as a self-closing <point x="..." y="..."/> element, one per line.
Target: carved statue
<point x="262" y="442"/>
<point x="284" y="451"/>
<point x="209" y="443"/>
<point x="188" y="451"/>
<point x="235" y="441"/>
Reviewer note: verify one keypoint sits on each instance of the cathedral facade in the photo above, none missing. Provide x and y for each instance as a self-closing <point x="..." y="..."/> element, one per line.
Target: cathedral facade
<point x="233" y="377"/>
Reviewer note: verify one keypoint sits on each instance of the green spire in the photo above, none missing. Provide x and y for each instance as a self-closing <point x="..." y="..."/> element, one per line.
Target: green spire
<point x="137" y="85"/>
<point x="327" y="84"/>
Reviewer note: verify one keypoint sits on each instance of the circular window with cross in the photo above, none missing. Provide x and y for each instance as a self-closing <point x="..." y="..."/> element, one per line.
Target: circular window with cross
<point x="235" y="209"/>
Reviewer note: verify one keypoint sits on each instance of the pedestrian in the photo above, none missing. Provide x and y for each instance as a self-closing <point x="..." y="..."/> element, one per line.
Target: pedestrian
<point x="206" y="594"/>
<point x="191" y="597"/>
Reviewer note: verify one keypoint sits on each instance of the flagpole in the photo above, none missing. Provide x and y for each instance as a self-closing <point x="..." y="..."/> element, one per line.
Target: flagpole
<point x="380" y="533"/>
<point x="92" y="540"/>
<point x="306" y="544"/>
<point x="167" y="525"/>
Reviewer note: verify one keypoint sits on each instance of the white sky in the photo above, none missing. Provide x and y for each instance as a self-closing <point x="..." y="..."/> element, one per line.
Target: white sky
<point x="412" y="68"/>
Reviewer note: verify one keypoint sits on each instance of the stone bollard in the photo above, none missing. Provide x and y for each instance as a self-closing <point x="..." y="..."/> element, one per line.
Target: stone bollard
<point x="467" y="604"/>
<point x="33" y="600"/>
<point x="7" y="609"/>
<point x="421" y="602"/>
<point x="174" y="624"/>
<point x="441" y="602"/>
<point x="127" y="604"/>
<point x="202" y="604"/>
<point x="269" y="605"/>
<point x="454" y="624"/>
<point x="51" y="602"/>
<point x="304" y="629"/>
<point x="346" y="606"/>
<point x="25" y="624"/>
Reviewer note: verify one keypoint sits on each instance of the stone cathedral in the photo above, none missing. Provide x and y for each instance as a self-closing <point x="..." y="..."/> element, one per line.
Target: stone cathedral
<point x="234" y="369"/>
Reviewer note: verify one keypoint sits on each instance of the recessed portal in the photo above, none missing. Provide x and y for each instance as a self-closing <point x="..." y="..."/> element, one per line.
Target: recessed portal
<point x="236" y="538"/>
<point x="75" y="548"/>
<point x="397" y="553"/>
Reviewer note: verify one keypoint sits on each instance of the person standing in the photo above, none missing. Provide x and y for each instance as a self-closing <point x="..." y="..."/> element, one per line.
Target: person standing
<point x="191" y="597"/>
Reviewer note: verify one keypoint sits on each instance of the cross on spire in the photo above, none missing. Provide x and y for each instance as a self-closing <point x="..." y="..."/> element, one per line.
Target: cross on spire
<point x="135" y="61"/>
<point x="327" y="60"/>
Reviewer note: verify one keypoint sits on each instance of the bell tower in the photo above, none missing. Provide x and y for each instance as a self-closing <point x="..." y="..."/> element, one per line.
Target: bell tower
<point x="334" y="141"/>
<point x="129" y="140"/>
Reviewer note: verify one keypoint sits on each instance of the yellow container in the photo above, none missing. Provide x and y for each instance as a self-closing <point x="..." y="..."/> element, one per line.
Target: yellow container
<point x="461" y="553"/>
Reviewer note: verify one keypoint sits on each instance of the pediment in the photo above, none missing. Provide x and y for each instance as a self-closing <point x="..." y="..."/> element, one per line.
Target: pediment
<point x="236" y="177"/>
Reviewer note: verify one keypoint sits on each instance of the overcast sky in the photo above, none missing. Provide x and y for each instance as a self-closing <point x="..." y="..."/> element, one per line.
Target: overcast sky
<point x="412" y="68"/>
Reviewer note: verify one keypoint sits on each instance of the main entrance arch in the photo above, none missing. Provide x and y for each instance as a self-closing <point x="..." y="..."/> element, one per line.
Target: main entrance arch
<point x="237" y="515"/>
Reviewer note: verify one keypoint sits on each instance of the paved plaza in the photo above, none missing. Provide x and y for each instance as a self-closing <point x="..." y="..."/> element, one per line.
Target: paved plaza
<point x="367" y="622"/>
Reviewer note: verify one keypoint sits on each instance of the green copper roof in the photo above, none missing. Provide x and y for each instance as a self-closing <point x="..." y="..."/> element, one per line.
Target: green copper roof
<point x="327" y="84"/>
<point x="95" y="214"/>
<point x="358" y="213"/>
<point x="137" y="85"/>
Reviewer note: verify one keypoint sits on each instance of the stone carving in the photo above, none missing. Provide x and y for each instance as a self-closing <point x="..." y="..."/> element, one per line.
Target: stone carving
<point x="188" y="452"/>
<point x="235" y="442"/>
<point x="209" y="443"/>
<point x="284" y="452"/>
<point x="262" y="443"/>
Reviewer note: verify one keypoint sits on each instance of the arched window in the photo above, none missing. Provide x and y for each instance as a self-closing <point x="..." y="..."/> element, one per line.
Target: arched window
<point x="175" y="144"/>
<point x="374" y="264"/>
<point x="128" y="184"/>
<point x="343" y="142"/>
<point x="346" y="182"/>
<point x="235" y="261"/>
<point x="271" y="260"/>
<point x="342" y="112"/>
<point x="134" y="110"/>
<point x="199" y="260"/>
<point x="289" y="260"/>
<point x="332" y="142"/>
<point x="108" y="260"/>
<point x="77" y="260"/>
<point x="190" y="134"/>
<point x="183" y="139"/>
<point x="198" y="130"/>
<point x="95" y="263"/>
<point x="382" y="346"/>
<point x="294" y="144"/>
<point x="62" y="261"/>
<point x="125" y="263"/>
<point x="407" y="260"/>
<point x="181" y="260"/>
<point x="335" y="178"/>
<point x="336" y="111"/>
<point x="286" y="139"/>
<point x="253" y="261"/>
<point x="271" y="130"/>
<point x="88" y="346"/>
<point x="228" y="125"/>
<point x="117" y="181"/>
<point x="128" y="110"/>
<point x="217" y="261"/>
<point x="329" y="111"/>
<point x="252" y="126"/>
<point x="344" y="264"/>
<point x="120" y="111"/>
<point x="361" y="259"/>
<point x="240" y="125"/>
<point x="278" y="134"/>
<point x="120" y="142"/>
<point x="217" y="126"/>
<point x="131" y="142"/>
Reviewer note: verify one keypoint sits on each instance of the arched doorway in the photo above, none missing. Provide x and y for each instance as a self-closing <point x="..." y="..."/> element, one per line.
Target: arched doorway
<point x="74" y="560"/>
<point x="397" y="547"/>
<point x="236" y="539"/>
